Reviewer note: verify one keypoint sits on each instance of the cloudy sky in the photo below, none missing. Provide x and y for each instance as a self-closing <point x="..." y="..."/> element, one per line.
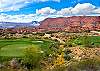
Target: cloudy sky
<point x="38" y="10"/>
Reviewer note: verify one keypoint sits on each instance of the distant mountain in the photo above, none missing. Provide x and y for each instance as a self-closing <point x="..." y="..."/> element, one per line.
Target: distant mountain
<point x="35" y="23"/>
<point x="71" y="24"/>
<point x="16" y="24"/>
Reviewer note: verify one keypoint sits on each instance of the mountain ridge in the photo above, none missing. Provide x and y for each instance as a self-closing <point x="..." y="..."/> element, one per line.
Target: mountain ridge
<point x="69" y="24"/>
<point x="18" y="24"/>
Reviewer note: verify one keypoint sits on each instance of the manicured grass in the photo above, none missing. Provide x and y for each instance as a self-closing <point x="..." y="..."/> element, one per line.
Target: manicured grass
<point x="15" y="47"/>
<point x="92" y="39"/>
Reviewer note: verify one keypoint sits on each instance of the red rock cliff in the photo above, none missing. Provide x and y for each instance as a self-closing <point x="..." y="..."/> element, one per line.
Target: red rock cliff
<point x="73" y="24"/>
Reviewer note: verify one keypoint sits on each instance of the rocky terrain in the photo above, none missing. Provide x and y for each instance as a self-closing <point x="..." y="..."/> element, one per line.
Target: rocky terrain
<point x="85" y="53"/>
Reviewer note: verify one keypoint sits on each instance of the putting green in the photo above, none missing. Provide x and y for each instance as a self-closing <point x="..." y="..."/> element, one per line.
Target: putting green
<point x="16" y="47"/>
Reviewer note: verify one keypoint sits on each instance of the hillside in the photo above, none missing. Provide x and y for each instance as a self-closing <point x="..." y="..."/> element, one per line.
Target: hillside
<point x="69" y="24"/>
<point x="72" y="24"/>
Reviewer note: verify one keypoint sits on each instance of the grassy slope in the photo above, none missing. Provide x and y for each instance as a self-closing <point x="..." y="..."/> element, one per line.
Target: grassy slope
<point x="15" y="47"/>
<point x="92" y="39"/>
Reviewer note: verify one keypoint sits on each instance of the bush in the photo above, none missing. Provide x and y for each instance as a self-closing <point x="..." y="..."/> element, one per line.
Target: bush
<point x="72" y="67"/>
<point x="70" y="44"/>
<point x="67" y="51"/>
<point x="89" y="65"/>
<point x="59" y="68"/>
<point x="85" y="65"/>
<point x="67" y="57"/>
<point x="66" y="54"/>
<point x="32" y="57"/>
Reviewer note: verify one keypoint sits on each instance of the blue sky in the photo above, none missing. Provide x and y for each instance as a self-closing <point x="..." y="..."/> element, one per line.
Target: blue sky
<point x="28" y="10"/>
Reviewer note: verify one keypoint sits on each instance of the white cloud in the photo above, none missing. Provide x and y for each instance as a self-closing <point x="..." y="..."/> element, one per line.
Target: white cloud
<point x="97" y="11"/>
<point x="8" y="5"/>
<point x="45" y="11"/>
<point x="64" y="11"/>
<point x="13" y="5"/>
<point x="21" y="18"/>
<point x="80" y="9"/>
<point x="25" y="18"/>
<point x="84" y="8"/>
<point x="17" y="18"/>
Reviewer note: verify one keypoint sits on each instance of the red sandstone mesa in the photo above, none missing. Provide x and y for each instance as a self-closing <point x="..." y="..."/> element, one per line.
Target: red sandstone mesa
<point x="71" y="24"/>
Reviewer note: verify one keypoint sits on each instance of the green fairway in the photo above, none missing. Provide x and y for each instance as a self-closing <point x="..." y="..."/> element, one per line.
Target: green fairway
<point x="16" y="47"/>
<point x="95" y="40"/>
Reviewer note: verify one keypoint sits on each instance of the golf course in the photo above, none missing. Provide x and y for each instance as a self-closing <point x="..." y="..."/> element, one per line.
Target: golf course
<point x="86" y="40"/>
<point x="15" y="47"/>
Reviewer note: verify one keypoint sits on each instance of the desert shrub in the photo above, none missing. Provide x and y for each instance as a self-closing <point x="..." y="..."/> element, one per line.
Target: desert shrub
<point x="85" y="65"/>
<point x="72" y="67"/>
<point x="50" y="32"/>
<point x="89" y="65"/>
<point x="40" y="34"/>
<point x="66" y="54"/>
<point x="67" y="57"/>
<point x="32" y="57"/>
<point x="70" y="44"/>
<point x="65" y="45"/>
<point x="59" y="68"/>
<point x="67" y="51"/>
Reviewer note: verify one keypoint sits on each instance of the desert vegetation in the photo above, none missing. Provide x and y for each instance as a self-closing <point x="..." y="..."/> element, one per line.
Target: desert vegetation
<point x="49" y="51"/>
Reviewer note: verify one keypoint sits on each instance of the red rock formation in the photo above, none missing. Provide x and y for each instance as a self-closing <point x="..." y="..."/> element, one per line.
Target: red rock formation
<point x="71" y="24"/>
